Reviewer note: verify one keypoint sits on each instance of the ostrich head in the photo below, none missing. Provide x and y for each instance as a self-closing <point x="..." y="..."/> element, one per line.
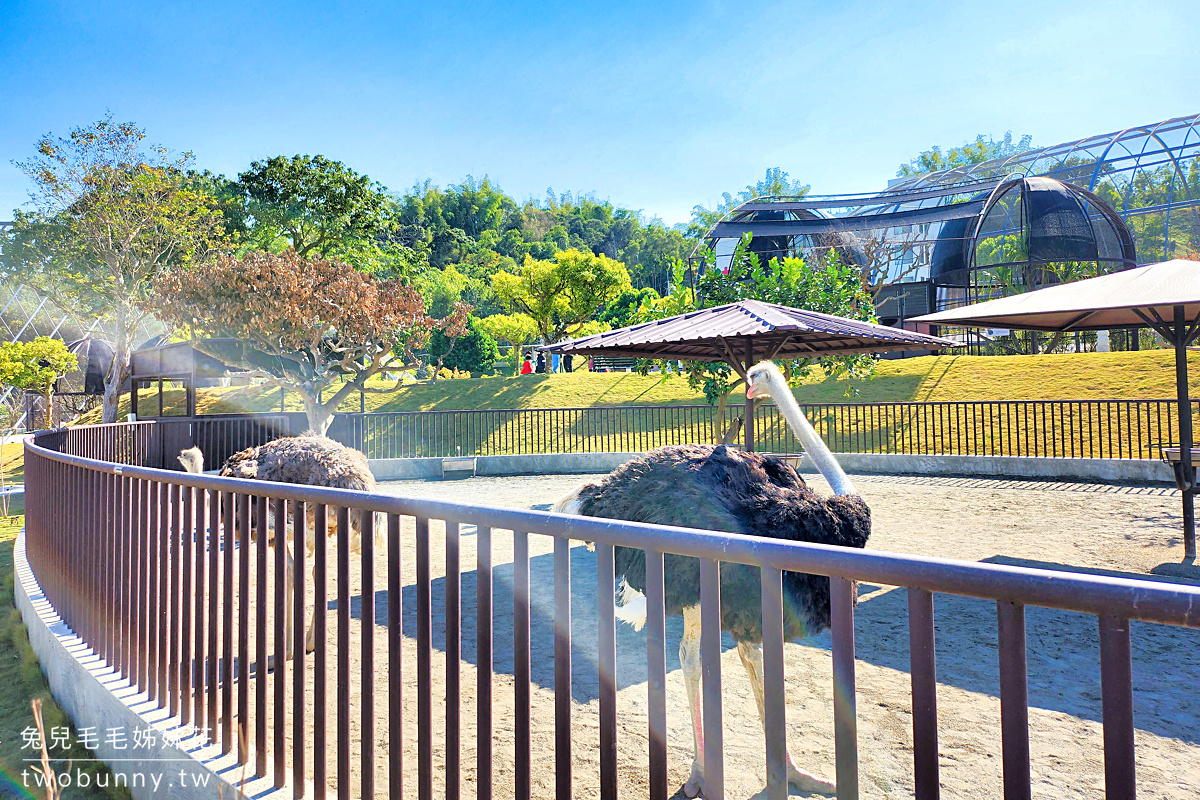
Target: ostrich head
<point x="765" y="380"/>
<point x="192" y="460"/>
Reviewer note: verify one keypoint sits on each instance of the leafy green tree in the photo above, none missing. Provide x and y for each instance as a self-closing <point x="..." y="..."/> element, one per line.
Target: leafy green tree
<point x="479" y="229"/>
<point x="475" y="351"/>
<point x="776" y="183"/>
<point x="975" y="152"/>
<point x="623" y="309"/>
<point x="562" y="294"/>
<point x="35" y="366"/>
<point x="111" y="215"/>
<point x="517" y="330"/>
<point x="321" y="207"/>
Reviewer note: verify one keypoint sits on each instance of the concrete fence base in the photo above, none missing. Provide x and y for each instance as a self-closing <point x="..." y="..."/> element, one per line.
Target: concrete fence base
<point x="171" y="760"/>
<point x="1115" y="470"/>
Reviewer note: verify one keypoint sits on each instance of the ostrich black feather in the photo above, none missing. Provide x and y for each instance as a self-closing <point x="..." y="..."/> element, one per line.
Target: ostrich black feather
<point x="722" y="489"/>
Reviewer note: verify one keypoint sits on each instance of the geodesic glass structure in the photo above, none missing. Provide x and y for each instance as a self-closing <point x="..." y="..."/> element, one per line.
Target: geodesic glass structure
<point x="1043" y="216"/>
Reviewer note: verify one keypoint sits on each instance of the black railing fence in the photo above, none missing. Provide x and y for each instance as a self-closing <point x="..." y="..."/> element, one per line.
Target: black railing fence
<point x="168" y="579"/>
<point x="1041" y="428"/>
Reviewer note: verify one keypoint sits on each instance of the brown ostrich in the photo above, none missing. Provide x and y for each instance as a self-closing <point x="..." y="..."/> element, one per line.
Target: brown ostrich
<point x="722" y="489"/>
<point x="309" y="460"/>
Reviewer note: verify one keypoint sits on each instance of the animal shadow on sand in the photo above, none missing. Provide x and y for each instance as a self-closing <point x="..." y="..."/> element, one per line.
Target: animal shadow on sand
<point x="1062" y="647"/>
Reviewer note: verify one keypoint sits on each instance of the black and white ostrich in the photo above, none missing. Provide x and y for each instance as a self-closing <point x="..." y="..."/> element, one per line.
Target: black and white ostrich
<point x="722" y="489"/>
<point x="309" y="460"/>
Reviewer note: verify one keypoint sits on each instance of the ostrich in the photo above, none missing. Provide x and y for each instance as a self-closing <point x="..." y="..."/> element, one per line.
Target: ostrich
<point x="309" y="460"/>
<point x="718" y="488"/>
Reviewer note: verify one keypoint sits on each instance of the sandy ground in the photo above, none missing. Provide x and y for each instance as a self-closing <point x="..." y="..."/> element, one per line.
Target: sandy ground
<point x="1115" y="529"/>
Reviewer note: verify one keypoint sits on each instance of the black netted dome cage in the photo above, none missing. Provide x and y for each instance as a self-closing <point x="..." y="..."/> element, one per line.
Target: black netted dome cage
<point x="1031" y="232"/>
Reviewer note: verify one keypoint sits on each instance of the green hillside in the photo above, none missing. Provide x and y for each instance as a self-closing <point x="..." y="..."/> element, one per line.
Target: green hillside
<point x="1144" y="374"/>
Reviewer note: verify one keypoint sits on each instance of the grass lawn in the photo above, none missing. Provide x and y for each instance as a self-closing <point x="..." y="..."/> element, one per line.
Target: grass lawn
<point x="1126" y="375"/>
<point x="22" y="679"/>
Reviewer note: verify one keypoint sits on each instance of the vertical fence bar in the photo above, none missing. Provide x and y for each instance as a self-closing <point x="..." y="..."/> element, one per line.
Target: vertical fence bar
<point x="186" y="596"/>
<point x="656" y="673"/>
<point x="483" y="623"/>
<point x="453" y="662"/>
<point x="845" y="723"/>
<point x="424" y="666"/>
<point x="243" y="679"/>
<point x="367" y="668"/>
<point x="395" y="661"/>
<point x="157" y="558"/>
<point x="299" y="641"/>
<point x="261" y="634"/>
<point x="172" y="612"/>
<point x="279" y="730"/>
<point x="1116" y="681"/>
<point x="227" y="579"/>
<point x="343" y="654"/>
<point x="320" y="534"/>
<point x="923" y="669"/>
<point x="710" y="659"/>
<point x="562" y="668"/>
<point x="1014" y="700"/>
<point x="607" y="663"/>
<point x="521" y="671"/>
<point x="774" y="701"/>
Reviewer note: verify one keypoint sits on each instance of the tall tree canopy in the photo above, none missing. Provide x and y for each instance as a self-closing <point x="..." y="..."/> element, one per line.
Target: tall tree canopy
<point x="321" y="207"/>
<point x="563" y="293"/>
<point x="111" y="215"/>
<point x="308" y="324"/>
<point x="775" y="182"/>
<point x="822" y="284"/>
<point x="479" y="229"/>
<point x="975" y="152"/>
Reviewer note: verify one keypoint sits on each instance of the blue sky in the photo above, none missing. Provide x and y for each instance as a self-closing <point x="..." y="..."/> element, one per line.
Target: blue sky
<point x="655" y="106"/>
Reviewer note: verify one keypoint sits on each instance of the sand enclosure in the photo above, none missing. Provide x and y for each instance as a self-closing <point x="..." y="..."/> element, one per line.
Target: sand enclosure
<point x="1114" y="529"/>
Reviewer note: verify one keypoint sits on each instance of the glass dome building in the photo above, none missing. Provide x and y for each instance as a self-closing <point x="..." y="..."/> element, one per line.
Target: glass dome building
<point x="942" y="239"/>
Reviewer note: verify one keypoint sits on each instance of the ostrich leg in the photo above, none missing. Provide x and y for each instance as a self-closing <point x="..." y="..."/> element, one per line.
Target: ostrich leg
<point x="752" y="660"/>
<point x="689" y="659"/>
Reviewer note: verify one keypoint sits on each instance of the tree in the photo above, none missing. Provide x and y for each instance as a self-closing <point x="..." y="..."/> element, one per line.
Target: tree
<point x="35" y="366"/>
<point x="776" y="183"/>
<point x="321" y="207"/>
<point x="110" y="218"/>
<point x="562" y="294"/>
<point x="304" y="324"/>
<point x="823" y="284"/>
<point x="623" y="310"/>
<point x="976" y="152"/>
<point x="517" y="330"/>
<point x="473" y="351"/>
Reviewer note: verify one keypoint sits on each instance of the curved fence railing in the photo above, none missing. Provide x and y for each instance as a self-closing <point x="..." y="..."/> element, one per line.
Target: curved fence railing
<point x="170" y="579"/>
<point x="1038" y="428"/>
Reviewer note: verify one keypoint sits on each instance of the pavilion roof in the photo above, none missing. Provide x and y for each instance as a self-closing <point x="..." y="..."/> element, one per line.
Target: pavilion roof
<point x="762" y="330"/>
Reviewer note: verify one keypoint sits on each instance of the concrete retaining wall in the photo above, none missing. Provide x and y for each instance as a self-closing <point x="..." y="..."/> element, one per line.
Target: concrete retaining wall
<point x="1067" y="469"/>
<point x="177" y="765"/>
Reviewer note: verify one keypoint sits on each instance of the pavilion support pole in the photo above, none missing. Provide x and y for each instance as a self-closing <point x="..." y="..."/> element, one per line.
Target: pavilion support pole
<point x="1188" y="474"/>
<point x="749" y="426"/>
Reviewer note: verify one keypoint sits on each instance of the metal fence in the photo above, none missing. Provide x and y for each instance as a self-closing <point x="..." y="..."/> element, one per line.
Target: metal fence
<point x="1040" y="428"/>
<point x="168" y="578"/>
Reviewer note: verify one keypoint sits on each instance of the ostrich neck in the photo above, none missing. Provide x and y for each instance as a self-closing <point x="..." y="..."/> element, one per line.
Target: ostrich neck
<point x="824" y="461"/>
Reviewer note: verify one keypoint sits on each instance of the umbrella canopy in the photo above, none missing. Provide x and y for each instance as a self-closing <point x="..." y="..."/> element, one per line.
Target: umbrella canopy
<point x="725" y="332"/>
<point x="1143" y="296"/>
<point x="743" y="333"/>
<point x="1164" y="296"/>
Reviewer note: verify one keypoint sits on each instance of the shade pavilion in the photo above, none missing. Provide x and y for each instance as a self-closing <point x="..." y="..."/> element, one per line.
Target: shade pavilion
<point x="1164" y="296"/>
<point x="743" y="333"/>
